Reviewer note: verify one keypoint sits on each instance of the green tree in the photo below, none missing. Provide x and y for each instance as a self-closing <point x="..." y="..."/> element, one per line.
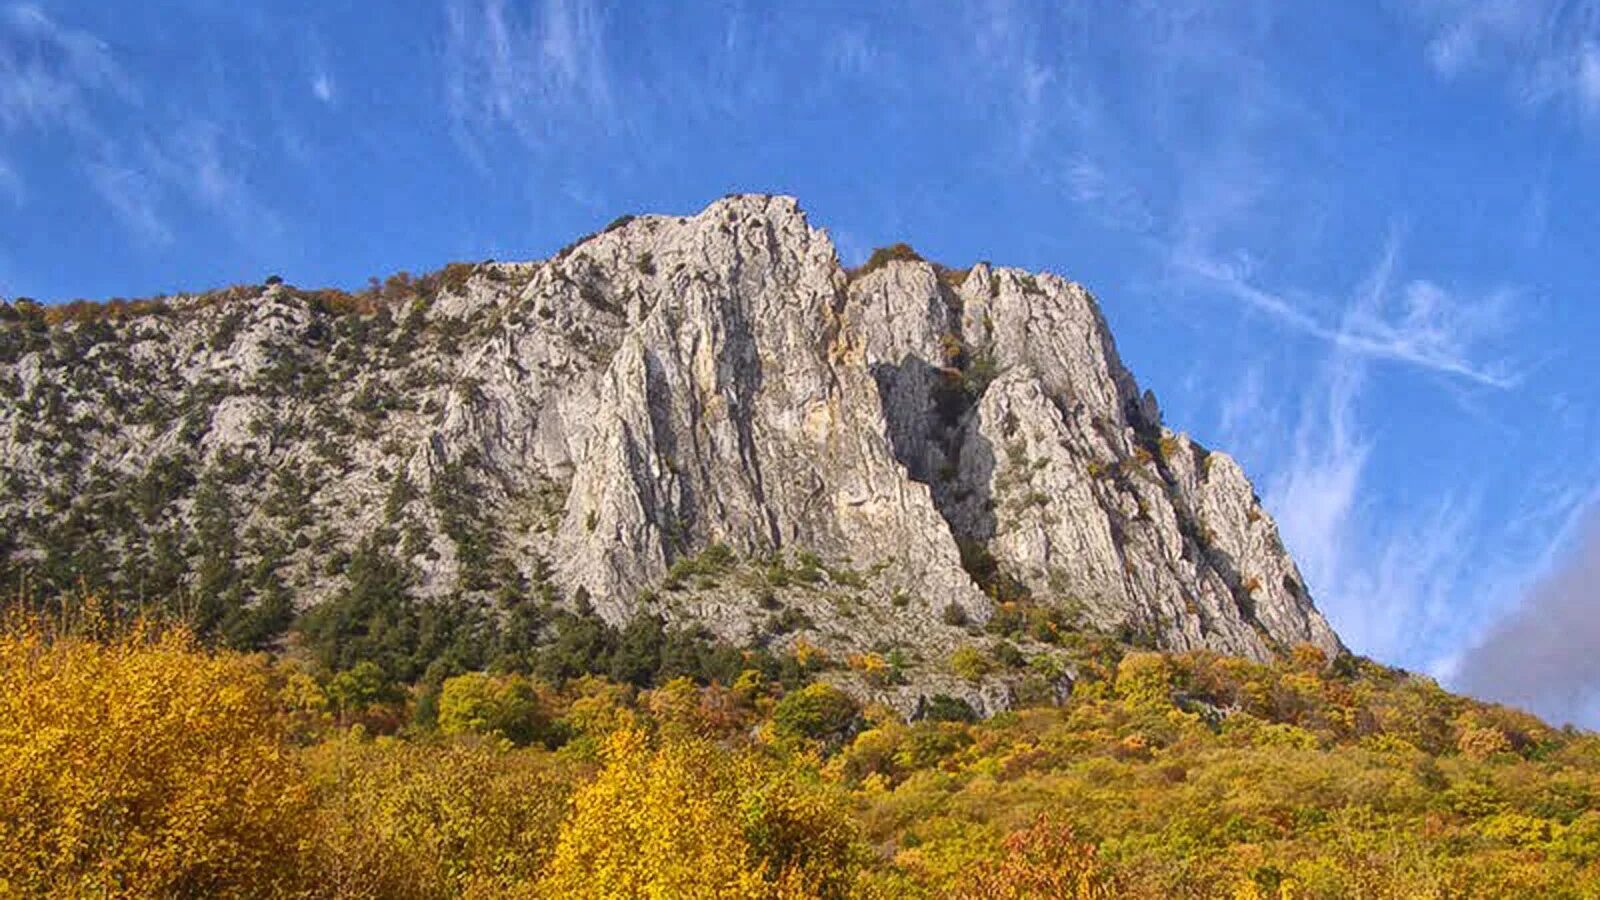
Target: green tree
<point x="361" y="686"/>
<point x="817" y="711"/>
<point x="371" y="618"/>
<point x="504" y="706"/>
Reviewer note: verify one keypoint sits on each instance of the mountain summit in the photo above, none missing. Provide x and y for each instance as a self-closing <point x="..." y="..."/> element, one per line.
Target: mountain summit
<point x="705" y="418"/>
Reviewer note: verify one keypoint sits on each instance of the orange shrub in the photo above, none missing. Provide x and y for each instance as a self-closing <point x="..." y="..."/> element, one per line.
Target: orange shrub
<point x="1041" y="861"/>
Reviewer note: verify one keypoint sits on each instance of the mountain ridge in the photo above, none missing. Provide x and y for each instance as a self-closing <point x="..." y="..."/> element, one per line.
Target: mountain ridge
<point x="705" y="418"/>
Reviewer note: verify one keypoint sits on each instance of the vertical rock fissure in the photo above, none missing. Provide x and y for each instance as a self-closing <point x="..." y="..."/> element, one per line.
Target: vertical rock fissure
<point x="930" y="431"/>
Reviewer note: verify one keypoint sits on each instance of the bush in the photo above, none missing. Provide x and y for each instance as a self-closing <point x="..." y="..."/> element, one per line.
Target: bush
<point x="1482" y="741"/>
<point x="361" y="687"/>
<point x="506" y="706"/>
<point x="969" y="663"/>
<point x="687" y="820"/>
<point x="1145" y="679"/>
<point x="1043" y="860"/>
<point x="817" y="711"/>
<point x="433" y="821"/>
<point x="874" y="669"/>
<point x="882" y="256"/>
<point x="945" y="708"/>
<point x="714" y="560"/>
<point x="143" y="763"/>
<point x="1008" y="655"/>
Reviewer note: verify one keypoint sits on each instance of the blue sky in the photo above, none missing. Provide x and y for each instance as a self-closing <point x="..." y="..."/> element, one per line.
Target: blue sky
<point x="1354" y="247"/>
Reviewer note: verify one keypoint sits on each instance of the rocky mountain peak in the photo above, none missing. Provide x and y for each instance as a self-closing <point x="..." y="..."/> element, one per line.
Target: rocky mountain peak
<point x="704" y="417"/>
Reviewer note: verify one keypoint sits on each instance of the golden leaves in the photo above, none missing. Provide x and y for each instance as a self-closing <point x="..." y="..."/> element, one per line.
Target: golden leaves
<point x="142" y="766"/>
<point x="145" y="765"/>
<point x="688" y="820"/>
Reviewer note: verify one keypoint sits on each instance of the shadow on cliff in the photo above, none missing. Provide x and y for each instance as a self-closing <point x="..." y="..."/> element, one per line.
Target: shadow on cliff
<point x="933" y="432"/>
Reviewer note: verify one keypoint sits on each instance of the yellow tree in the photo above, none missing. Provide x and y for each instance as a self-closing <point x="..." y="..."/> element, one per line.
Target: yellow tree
<point x="142" y="766"/>
<point x="400" y="820"/>
<point x="688" y="820"/>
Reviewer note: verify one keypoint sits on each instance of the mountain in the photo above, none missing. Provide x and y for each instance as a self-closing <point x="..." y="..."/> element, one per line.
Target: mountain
<point x="705" y="419"/>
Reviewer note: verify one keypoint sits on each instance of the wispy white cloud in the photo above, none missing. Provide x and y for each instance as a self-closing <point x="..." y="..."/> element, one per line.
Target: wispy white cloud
<point x="65" y="85"/>
<point x="852" y="249"/>
<point x="1401" y="590"/>
<point x="1006" y="62"/>
<point x="1172" y="139"/>
<point x="132" y="197"/>
<point x="1386" y="577"/>
<point x="1434" y="329"/>
<point x="1249" y="416"/>
<point x="322" y="87"/>
<point x="318" y="74"/>
<point x="1316" y="492"/>
<point x="1466" y="31"/>
<point x="50" y="73"/>
<point x="1197" y="145"/>
<point x="1391" y="576"/>
<point x="537" y="74"/>
<point x="850" y="53"/>
<point x="53" y="81"/>
<point x="1408" y="576"/>
<point x="1413" y="576"/>
<point x="197" y="161"/>
<point x="1115" y="202"/>
<point x="10" y="183"/>
<point x="1547" y="51"/>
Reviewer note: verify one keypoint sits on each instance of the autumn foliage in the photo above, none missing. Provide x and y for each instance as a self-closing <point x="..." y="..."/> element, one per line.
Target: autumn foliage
<point x="688" y="820"/>
<point x="1043" y="862"/>
<point x="135" y="762"/>
<point x="400" y="820"/>
<point x="142" y="766"/>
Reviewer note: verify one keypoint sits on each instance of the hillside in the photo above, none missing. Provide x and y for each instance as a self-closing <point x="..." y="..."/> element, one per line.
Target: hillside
<point x="689" y="563"/>
<point x="702" y="427"/>
<point x="135" y="763"/>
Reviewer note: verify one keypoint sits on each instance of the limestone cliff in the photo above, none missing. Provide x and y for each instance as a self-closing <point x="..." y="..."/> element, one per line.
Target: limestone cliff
<point x="921" y="441"/>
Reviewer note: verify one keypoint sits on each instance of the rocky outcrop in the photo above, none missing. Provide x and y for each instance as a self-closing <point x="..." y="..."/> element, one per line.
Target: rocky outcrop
<point x="734" y="412"/>
<point x="1005" y="393"/>
<point x="931" y="442"/>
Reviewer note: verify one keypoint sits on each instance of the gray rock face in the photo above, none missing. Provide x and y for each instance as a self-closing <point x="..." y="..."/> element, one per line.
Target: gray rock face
<point x="734" y="412"/>
<point x="936" y="440"/>
<point x="1059" y="468"/>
